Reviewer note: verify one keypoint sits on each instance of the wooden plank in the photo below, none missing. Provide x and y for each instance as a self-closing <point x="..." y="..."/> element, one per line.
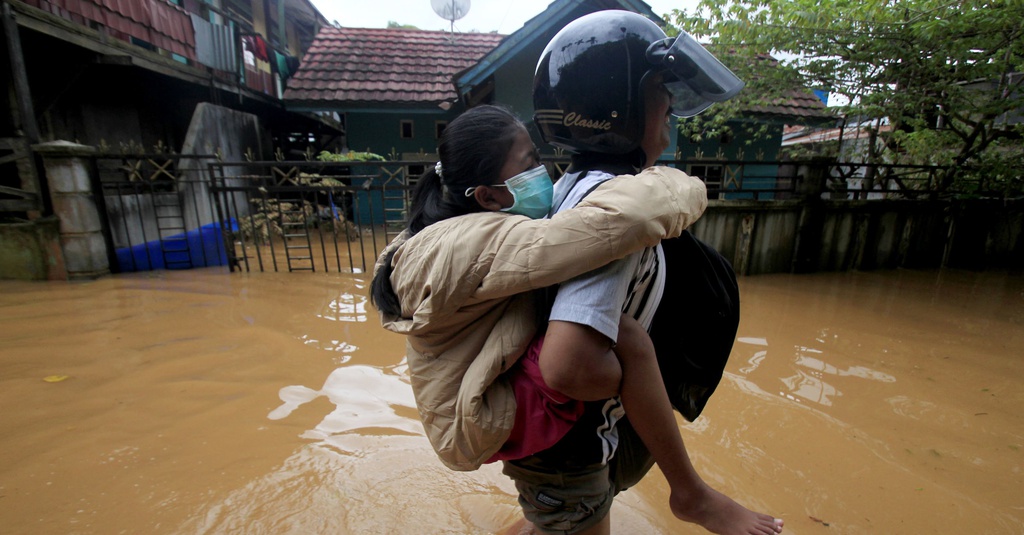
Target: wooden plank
<point x="21" y="90"/>
<point x="48" y="24"/>
<point x="18" y="205"/>
<point x="12" y="157"/>
<point x="24" y="194"/>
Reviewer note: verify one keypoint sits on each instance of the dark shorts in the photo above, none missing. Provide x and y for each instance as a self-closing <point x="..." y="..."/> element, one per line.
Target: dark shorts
<point x="568" y="500"/>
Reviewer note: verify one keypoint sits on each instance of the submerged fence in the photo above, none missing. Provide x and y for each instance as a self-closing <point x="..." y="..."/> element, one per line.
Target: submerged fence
<point x="157" y="214"/>
<point x="178" y="212"/>
<point x="307" y="216"/>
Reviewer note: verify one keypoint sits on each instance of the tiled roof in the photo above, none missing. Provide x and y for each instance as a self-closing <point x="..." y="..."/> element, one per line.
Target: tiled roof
<point x="799" y="104"/>
<point x="368" y="66"/>
<point x="157" y="22"/>
<point x="820" y="135"/>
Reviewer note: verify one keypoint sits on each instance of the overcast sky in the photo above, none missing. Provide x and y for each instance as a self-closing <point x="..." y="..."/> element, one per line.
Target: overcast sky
<point x="503" y="16"/>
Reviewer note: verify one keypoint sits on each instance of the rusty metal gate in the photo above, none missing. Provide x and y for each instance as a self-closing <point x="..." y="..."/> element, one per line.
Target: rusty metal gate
<point x="310" y="216"/>
<point x="156" y="213"/>
<point x="168" y="211"/>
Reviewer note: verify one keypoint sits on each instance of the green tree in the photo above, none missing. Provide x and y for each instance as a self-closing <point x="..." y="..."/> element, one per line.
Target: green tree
<point x="392" y="25"/>
<point x="945" y="75"/>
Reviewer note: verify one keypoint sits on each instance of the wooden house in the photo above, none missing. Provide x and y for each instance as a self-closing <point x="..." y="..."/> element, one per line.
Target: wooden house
<point x="395" y="89"/>
<point x="131" y="74"/>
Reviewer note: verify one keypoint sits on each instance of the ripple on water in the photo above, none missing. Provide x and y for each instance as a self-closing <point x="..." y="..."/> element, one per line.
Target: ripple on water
<point x="203" y="402"/>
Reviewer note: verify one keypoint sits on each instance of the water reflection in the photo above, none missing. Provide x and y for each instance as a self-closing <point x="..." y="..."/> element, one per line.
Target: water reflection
<point x="809" y="383"/>
<point x="861" y="372"/>
<point x="803" y="386"/>
<point x="337" y="346"/>
<point x="759" y="356"/>
<point x="365" y="467"/>
<point x="203" y="402"/>
<point x="346" y="307"/>
<point x="383" y="484"/>
<point x="367" y="400"/>
<point x="809" y="373"/>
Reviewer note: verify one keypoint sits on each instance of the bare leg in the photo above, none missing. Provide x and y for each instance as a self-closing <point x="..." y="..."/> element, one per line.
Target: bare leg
<point x="576" y="361"/>
<point x="646" y="403"/>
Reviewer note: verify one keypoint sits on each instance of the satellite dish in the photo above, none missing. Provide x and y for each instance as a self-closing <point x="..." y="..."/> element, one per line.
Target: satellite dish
<point x="450" y="10"/>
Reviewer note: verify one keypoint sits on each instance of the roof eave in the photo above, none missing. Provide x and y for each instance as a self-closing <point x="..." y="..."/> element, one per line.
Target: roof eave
<point x="314" y="105"/>
<point x="822" y="119"/>
<point x="465" y="80"/>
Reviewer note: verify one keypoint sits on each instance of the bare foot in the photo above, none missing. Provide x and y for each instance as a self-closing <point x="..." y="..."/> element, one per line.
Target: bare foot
<point x="718" y="513"/>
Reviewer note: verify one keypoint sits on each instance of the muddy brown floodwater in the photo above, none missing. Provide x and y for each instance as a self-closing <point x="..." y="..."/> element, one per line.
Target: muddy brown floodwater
<point x="207" y="402"/>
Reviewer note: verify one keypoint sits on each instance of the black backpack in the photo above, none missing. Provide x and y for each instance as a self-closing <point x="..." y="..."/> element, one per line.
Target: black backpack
<point x="695" y="325"/>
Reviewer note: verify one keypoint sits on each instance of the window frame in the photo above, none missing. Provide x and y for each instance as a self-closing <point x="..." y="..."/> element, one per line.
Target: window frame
<point x="402" y="123"/>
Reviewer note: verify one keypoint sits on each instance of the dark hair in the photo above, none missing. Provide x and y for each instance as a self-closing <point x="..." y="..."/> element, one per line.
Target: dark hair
<point x="472" y="150"/>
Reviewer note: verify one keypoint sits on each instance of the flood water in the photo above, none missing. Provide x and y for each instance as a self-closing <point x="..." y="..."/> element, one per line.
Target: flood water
<point x="207" y="402"/>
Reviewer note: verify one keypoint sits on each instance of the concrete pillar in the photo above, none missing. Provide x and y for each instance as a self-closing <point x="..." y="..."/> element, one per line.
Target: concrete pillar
<point x="81" y="229"/>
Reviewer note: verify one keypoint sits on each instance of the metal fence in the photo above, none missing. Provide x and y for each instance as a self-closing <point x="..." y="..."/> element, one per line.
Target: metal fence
<point x="309" y="216"/>
<point x="157" y="215"/>
<point x="166" y="211"/>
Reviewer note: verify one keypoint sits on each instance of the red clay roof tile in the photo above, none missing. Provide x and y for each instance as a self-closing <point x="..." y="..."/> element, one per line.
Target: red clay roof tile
<point x="798" y="103"/>
<point x="384" y="66"/>
<point x="157" y="22"/>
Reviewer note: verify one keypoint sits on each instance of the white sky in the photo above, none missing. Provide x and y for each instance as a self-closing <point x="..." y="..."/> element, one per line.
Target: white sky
<point x="503" y="16"/>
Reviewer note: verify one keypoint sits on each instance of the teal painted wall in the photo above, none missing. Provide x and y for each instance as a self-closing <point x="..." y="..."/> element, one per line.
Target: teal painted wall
<point x="739" y="148"/>
<point x="380" y="131"/>
<point x="513" y="86"/>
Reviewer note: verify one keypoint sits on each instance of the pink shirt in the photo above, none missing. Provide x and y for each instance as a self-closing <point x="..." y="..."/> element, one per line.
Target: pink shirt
<point x="543" y="416"/>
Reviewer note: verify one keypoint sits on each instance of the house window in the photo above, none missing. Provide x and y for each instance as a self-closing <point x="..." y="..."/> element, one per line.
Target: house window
<point x="406" y="130"/>
<point x="439" y="127"/>
<point x="710" y="174"/>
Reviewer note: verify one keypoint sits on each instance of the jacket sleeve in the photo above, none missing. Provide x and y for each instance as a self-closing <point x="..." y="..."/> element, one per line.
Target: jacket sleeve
<point x="624" y="215"/>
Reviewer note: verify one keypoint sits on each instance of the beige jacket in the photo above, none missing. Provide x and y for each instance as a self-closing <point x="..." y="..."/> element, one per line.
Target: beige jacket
<point x="467" y="312"/>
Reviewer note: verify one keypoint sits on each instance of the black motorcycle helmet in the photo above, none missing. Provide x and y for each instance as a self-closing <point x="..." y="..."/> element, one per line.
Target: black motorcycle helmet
<point x="587" y="88"/>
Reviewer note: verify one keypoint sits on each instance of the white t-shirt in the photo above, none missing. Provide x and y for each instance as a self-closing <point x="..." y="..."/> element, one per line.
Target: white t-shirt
<point x="631" y="285"/>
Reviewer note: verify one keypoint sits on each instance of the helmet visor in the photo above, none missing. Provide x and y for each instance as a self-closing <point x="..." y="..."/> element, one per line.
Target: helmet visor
<point x="694" y="77"/>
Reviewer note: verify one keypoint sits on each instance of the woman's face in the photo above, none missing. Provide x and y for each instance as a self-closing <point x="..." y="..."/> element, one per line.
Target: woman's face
<point x="522" y="156"/>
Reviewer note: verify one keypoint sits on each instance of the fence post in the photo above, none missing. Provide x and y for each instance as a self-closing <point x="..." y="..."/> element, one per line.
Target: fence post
<point x="81" y="228"/>
<point x="807" y="249"/>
